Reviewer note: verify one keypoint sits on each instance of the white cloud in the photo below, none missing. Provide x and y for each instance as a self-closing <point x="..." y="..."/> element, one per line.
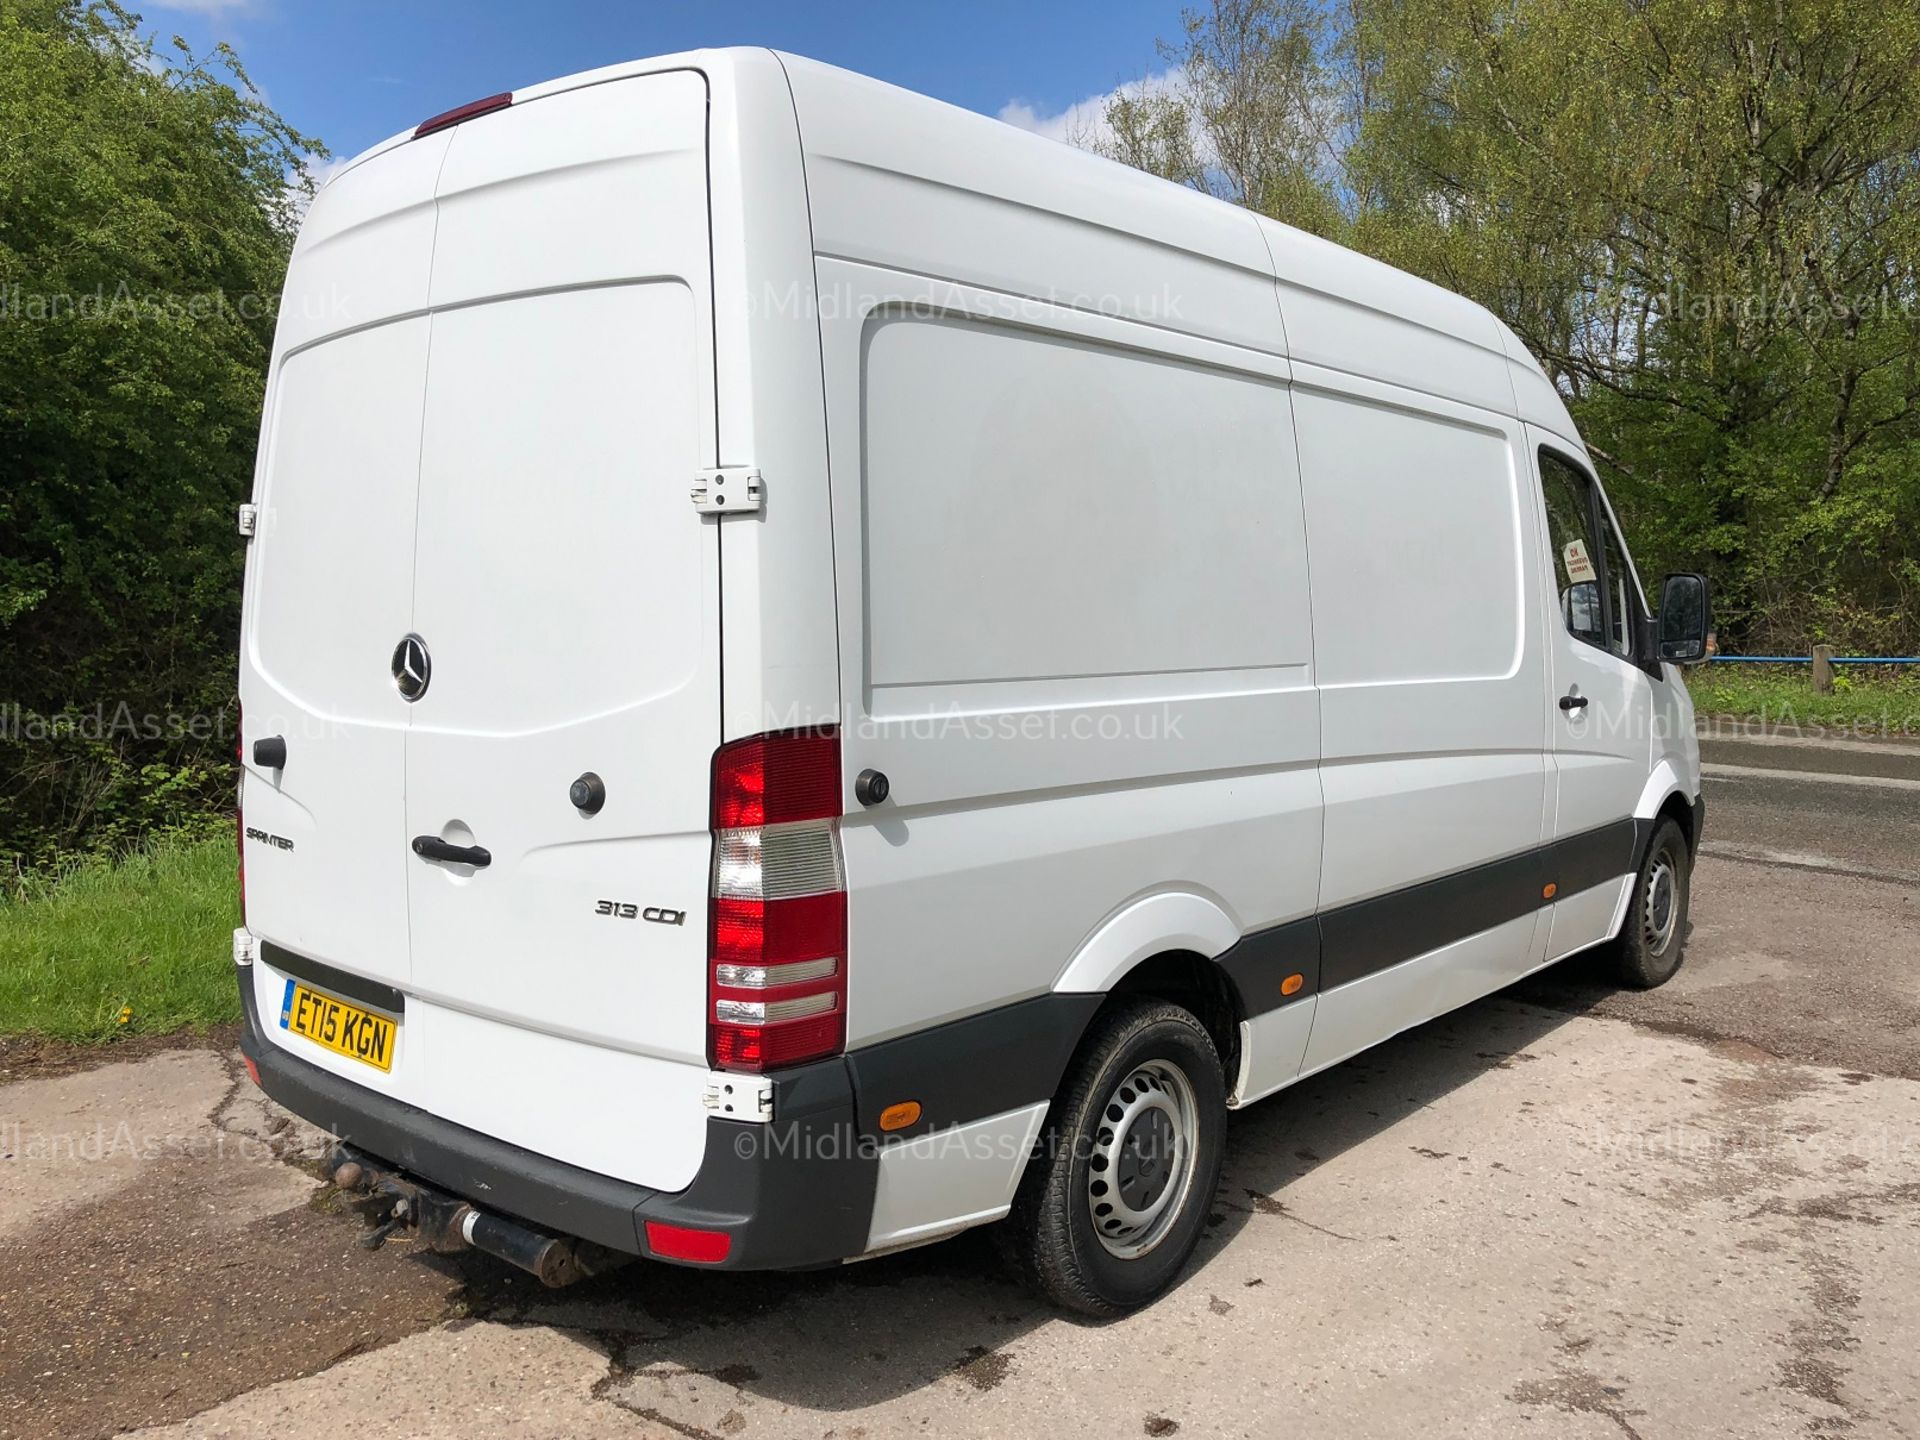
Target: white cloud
<point x="1084" y="123"/>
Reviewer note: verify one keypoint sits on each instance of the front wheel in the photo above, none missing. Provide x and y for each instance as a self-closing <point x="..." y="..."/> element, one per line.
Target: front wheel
<point x="1653" y="937"/>
<point x="1114" y="1201"/>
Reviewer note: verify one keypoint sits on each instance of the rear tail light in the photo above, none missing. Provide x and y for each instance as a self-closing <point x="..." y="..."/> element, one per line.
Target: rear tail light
<point x="777" y="928"/>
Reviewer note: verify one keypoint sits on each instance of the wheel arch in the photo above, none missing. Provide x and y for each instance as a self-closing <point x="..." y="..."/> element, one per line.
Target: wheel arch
<point x="1166" y="945"/>
<point x="1664" y="796"/>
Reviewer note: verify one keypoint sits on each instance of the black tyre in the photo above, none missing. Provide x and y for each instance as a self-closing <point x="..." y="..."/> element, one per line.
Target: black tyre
<point x="1654" y="934"/>
<point x="1118" y="1193"/>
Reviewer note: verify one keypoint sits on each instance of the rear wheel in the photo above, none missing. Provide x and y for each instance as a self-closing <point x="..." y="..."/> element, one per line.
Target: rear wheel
<point x="1113" y="1203"/>
<point x="1653" y="937"/>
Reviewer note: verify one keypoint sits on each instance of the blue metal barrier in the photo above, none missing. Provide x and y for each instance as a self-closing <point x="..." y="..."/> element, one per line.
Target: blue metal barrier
<point x="1807" y="660"/>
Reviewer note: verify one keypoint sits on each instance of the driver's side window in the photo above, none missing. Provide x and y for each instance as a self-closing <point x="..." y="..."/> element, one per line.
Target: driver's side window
<point x="1576" y="548"/>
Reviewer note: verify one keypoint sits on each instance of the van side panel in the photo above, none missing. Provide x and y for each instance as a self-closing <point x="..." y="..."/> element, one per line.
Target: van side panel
<point x="1070" y="722"/>
<point x="1430" y="668"/>
<point x="1432" y="677"/>
<point x="1351" y="313"/>
<point x="911" y="184"/>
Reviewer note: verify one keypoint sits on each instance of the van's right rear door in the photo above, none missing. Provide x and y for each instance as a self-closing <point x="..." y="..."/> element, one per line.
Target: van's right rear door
<point x="568" y="594"/>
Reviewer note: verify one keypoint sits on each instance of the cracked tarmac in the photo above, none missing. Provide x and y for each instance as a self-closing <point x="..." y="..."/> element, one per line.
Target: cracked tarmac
<point x="1564" y="1210"/>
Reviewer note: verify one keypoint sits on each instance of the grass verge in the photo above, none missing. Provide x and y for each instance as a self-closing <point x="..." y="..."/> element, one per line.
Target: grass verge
<point x="1868" y="702"/>
<point x="136" y="946"/>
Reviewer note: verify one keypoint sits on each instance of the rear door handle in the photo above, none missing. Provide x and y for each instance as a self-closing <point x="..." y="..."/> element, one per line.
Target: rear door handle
<point x="432" y="847"/>
<point x="1569" y="703"/>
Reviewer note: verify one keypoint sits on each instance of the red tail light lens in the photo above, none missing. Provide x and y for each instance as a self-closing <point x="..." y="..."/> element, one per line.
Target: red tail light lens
<point x="774" y="934"/>
<point x="777" y="779"/>
<point x="777" y="936"/>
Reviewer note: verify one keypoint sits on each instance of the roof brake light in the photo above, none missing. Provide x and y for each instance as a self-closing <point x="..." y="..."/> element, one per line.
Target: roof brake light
<point x="463" y="112"/>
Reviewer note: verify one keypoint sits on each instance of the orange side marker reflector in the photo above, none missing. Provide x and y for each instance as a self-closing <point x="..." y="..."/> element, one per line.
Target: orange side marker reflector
<point x="1551" y="891"/>
<point x="1291" y="985"/>
<point x="898" y="1117"/>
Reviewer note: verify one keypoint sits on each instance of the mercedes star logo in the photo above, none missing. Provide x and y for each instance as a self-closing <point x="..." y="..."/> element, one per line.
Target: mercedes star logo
<point x="412" y="668"/>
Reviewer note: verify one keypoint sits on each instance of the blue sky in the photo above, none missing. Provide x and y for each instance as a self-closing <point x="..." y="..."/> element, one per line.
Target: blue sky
<point x="355" y="71"/>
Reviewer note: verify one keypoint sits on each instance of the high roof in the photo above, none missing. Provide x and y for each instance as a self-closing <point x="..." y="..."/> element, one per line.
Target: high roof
<point x="1342" y="310"/>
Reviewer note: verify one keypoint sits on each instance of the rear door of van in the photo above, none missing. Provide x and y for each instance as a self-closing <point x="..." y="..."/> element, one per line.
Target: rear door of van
<point x="562" y="599"/>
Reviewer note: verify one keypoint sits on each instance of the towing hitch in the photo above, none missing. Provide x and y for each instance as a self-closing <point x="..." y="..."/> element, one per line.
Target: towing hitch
<point x="395" y="1201"/>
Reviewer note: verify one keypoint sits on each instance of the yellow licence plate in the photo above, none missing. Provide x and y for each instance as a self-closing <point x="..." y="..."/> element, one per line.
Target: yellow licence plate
<point x="340" y="1025"/>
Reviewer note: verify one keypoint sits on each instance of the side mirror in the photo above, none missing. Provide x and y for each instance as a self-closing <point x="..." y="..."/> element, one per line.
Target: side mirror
<point x="1685" y="618"/>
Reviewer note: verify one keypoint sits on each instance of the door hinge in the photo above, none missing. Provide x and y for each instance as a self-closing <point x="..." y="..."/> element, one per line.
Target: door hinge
<point x="248" y="520"/>
<point x="739" y="1097"/>
<point x="243" y="946"/>
<point x="727" y="488"/>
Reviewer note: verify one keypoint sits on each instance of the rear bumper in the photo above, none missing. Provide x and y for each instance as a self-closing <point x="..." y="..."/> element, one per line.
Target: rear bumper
<point x="792" y="1194"/>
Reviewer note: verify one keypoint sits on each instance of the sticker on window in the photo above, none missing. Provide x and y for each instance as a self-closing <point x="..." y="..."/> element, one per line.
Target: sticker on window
<point x="1579" y="568"/>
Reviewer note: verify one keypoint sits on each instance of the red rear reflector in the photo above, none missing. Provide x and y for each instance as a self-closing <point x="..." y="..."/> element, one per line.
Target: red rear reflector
<point x="777" y="779"/>
<point x="677" y="1242"/>
<point x="253" y="1070"/>
<point x="463" y="112"/>
<point x="757" y="1048"/>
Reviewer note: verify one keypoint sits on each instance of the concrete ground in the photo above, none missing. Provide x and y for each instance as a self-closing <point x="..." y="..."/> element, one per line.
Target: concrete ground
<point x="1565" y="1210"/>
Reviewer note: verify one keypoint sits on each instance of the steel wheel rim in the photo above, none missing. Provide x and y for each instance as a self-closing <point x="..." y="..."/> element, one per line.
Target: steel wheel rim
<point x="1660" y="916"/>
<point x="1145" y="1149"/>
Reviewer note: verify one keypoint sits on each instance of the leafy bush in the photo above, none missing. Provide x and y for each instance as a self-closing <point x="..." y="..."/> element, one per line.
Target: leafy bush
<point x="146" y="215"/>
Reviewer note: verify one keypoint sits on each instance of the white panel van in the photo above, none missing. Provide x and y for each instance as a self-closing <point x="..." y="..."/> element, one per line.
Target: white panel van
<point x="819" y="671"/>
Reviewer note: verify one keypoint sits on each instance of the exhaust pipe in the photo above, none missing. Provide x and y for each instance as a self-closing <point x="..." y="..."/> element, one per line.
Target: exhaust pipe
<point x="448" y="1224"/>
<point x="552" y="1259"/>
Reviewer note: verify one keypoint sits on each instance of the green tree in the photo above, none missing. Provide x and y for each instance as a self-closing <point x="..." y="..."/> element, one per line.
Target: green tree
<point x="1251" y="110"/>
<point x="146" y="215"/>
<point x="1703" y="216"/>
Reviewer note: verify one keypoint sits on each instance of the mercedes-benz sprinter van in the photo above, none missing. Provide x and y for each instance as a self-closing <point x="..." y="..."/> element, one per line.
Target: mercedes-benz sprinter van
<point x="819" y="671"/>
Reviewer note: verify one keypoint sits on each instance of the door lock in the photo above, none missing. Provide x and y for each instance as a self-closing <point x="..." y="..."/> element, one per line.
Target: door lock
<point x="588" y="793"/>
